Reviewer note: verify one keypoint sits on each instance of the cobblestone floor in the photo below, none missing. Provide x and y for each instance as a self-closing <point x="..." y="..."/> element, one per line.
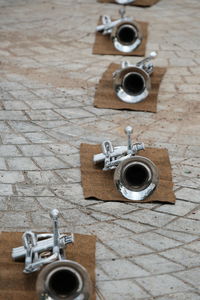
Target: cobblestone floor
<point x="48" y="77"/>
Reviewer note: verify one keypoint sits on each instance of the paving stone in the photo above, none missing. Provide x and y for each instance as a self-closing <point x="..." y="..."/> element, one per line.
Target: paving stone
<point x="25" y="126"/>
<point x="43" y="177"/>
<point x="150" y="217"/>
<point x="156" y="241"/>
<point x="192" y="195"/>
<point x="18" y="203"/>
<point x="126" y="247"/>
<point x="12" y="138"/>
<point x="70" y="175"/>
<point x="190" y="276"/>
<point x="77" y="217"/>
<point x="54" y="202"/>
<point x="39" y="115"/>
<point x="16" y="105"/>
<point x="181" y="208"/>
<point x="121" y="269"/>
<point x="50" y="163"/>
<point x="34" y="150"/>
<point x="115" y="209"/>
<point x="21" y="164"/>
<point x="71" y="113"/>
<point x="38" y="137"/>
<point x="133" y="226"/>
<point x="11" y="177"/>
<point x="14" y="220"/>
<point x="37" y="191"/>
<point x="62" y="149"/>
<point x="182" y="256"/>
<point x="156" y="285"/>
<point x="5" y="189"/>
<point x="2" y="164"/>
<point x="177" y="235"/>
<point x="104" y="252"/>
<point x="180" y="296"/>
<point x="3" y="203"/>
<point x="112" y="290"/>
<point x="156" y="264"/>
<point x="9" y="150"/>
<point x="185" y="225"/>
<point x="12" y="115"/>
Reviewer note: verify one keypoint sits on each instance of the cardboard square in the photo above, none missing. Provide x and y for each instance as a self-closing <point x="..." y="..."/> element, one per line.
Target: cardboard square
<point x="143" y="3"/>
<point x="105" y="96"/>
<point x="15" y="285"/>
<point x="103" y="43"/>
<point x="99" y="184"/>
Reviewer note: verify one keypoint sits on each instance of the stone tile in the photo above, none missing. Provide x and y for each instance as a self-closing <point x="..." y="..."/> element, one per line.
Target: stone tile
<point x="113" y="290"/>
<point x="192" y="195"/>
<point x="156" y="241"/>
<point x="156" y="264"/>
<point x="194" y="246"/>
<point x="38" y="137"/>
<point x="182" y="256"/>
<point x="25" y="126"/>
<point x="22" y="94"/>
<point x="70" y="113"/>
<point x="126" y="247"/>
<point x="33" y="191"/>
<point x="21" y="164"/>
<point x="13" y="138"/>
<point x="162" y="284"/>
<point x="14" y="220"/>
<point x="78" y="217"/>
<point x="122" y="269"/>
<point x="190" y="276"/>
<point x="35" y="150"/>
<point x="11" y="177"/>
<point x="49" y="203"/>
<point x="106" y="230"/>
<point x="43" y="177"/>
<point x="40" y="104"/>
<point x="103" y="252"/>
<point x="180" y="209"/>
<point x="70" y="175"/>
<point x="62" y="149"/>
<point x="5" y="189"/>
<point x="133" y="226"/>
<point x="50" y="163"/>
<point x="150" y="217"/>
<point x="180" y="296"/>
<point x="9" y="150"/>
<point x="19" y="203"/>
<point x="185" y="225"/>
<point x="112" y="208"/>
<point x="3" y="203"/>
<point x="177" y="235"/>
<point x="39" y="115"/>
<point x="2" y="164"/>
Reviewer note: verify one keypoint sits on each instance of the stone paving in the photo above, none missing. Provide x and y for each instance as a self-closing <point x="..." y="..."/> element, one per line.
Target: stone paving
<point x="48" y="78"/>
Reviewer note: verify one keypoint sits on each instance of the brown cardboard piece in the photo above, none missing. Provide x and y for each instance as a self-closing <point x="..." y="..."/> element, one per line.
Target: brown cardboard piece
<point x="99" y="184"/>
<point x="15" y="285"/>
<point x="105" y="96"/>
<point x="103" y="43"/>
<point x="143" y="3"/>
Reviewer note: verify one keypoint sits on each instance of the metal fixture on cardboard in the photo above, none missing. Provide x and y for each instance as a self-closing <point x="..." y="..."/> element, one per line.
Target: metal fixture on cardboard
<point x="135" y="176"/>
<point x="132" y="83"/>
<point x="126" y="34"/>
<point x="61" y="278"/>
